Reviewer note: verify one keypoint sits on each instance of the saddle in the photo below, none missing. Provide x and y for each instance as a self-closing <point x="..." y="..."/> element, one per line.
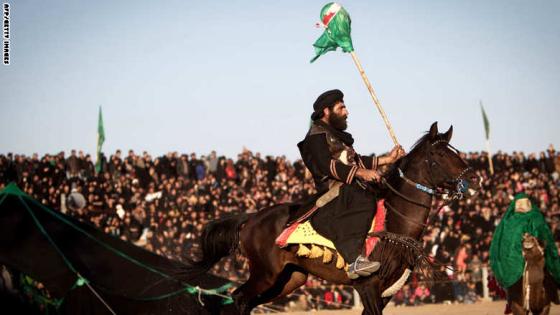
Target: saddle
<point x="311" y="244"/>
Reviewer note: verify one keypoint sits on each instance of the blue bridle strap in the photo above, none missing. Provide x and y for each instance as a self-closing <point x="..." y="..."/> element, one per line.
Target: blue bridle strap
<point x="418" y="186"/>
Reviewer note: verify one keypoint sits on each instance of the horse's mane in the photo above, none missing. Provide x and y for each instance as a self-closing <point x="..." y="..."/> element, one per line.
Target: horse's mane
<point x="417" y="148"/>
<point x="403" y="162"/>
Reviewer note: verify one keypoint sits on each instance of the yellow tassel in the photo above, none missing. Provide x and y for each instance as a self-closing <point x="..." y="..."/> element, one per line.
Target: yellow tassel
<point x="327" y="255"/>
<point x="339" y="261"/>
<point x="316" y="252"/>
<point x="303" y="251"/>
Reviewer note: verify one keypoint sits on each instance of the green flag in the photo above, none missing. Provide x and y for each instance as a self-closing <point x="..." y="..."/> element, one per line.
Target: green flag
<point x="100" y="140"/>
<point x="336" y="22"/>
<point x="486" y="122"/>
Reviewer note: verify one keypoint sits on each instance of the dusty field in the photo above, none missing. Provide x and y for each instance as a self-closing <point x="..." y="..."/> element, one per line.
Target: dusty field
<point x="483" y="308"/>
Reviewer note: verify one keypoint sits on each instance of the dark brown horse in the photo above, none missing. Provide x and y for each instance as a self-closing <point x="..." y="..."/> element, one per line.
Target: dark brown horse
<point x="532" y="293"/>
<point x="274" y="272"/>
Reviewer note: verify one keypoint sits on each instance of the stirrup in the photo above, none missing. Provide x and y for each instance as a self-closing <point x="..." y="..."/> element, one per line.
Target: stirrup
<point x="362" y="267"/>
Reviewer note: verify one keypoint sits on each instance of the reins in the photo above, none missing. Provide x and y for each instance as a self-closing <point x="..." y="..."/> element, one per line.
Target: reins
<point x="398" y="193"/>
<point x="526" y="279"/>
<point x="387" y="205"/>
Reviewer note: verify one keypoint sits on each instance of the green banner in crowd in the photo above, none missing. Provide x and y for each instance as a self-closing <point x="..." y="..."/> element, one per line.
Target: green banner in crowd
<point x="100" y="140"/>
<point x="486" y="122"/>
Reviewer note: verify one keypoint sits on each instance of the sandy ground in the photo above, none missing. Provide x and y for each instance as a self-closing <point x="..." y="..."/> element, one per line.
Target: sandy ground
<point x="483" y="308"/>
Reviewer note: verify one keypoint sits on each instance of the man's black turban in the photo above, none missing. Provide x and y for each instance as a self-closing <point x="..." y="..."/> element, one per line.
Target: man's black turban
<point x="325" y="100"/>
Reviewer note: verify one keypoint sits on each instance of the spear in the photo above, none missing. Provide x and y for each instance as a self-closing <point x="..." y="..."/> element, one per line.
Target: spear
<point x="336" y="21"/>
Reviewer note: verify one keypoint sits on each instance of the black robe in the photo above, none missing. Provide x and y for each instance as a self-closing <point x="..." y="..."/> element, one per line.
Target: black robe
<point x="346" y="220"/>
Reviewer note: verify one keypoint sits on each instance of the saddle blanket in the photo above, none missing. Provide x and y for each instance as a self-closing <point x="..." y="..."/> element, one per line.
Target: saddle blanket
<point x="302" y="233"/>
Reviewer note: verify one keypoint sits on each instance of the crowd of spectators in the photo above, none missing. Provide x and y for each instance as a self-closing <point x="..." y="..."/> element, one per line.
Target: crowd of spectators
<point x="162" y="204"/>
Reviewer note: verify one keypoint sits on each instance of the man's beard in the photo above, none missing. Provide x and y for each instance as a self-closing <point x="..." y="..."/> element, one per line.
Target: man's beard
<point x="338" y="121"/>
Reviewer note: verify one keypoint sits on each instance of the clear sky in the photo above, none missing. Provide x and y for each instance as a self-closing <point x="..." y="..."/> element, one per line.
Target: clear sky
<point x="193" y="76"/>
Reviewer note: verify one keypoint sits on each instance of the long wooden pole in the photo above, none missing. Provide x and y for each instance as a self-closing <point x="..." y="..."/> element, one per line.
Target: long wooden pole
<point x="490" y="162"/>
<point x="374" y="97"/>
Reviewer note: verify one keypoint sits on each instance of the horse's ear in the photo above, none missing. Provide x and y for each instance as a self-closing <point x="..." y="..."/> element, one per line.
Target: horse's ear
<point x="448" y="134"/>
<point x="433" y="130"/>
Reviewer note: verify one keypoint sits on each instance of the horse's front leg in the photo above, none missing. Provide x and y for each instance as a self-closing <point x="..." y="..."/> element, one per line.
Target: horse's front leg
<point x="370" y="294"/>
<point x="545" y="310"/>
<point x="517" y="308"/>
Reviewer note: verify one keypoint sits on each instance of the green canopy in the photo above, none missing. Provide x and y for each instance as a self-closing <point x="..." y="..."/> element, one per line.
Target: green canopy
<point x="506" y="257"/>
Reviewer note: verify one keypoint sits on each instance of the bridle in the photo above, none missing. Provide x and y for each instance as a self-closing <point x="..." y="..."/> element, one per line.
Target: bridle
<point x="455" y="188"/>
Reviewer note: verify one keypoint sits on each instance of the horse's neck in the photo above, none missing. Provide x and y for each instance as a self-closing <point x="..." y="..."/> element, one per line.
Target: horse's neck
<point x="535" y="270"/>
<point x="411" y="222"/>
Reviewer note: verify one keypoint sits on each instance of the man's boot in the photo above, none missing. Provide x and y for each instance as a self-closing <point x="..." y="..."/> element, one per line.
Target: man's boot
<point x="362" y="267"/>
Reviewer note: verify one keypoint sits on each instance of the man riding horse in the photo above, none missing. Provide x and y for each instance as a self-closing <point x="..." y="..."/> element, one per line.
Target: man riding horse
<point x="276" y="271"/>
<point x="506" y="254"/>
<point x="343" y="176"/>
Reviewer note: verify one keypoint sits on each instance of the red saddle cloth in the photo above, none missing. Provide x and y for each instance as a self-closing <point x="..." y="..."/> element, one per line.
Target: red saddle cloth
<point x="377" y="225"/>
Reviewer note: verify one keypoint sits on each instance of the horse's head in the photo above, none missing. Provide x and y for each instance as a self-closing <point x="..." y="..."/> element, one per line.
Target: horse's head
<point x="445" y="169"/>
<point x="532" y="249"/>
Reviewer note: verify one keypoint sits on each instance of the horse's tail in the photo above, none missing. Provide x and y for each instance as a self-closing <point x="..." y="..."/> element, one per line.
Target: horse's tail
<point x="220" y="238"/>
